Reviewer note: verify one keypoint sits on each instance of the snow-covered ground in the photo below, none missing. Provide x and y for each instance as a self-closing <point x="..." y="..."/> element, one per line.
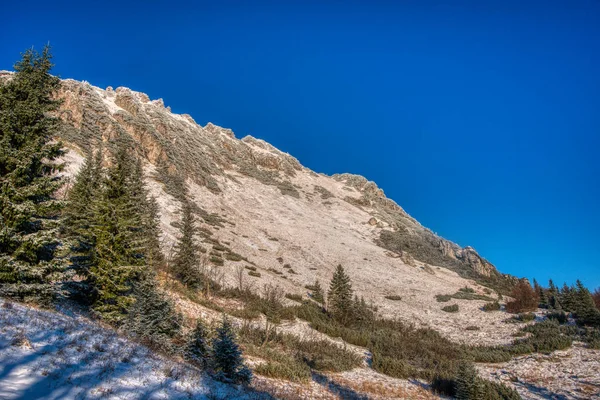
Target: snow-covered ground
<point x="47" y="355"/>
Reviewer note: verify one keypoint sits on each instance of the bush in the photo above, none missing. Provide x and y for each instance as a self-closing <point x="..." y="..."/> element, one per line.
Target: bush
<point x="451" y="309"/>
<point x="394" y="297"/>
<point x="254" y="273"/>
<point x="250" y="268"/>
<point x="558" y="316"/>
<point x="473" y="328"/>
<point x="443" y="298"/>
<point x="491" y="306"/>
<point x="293" y="296"/>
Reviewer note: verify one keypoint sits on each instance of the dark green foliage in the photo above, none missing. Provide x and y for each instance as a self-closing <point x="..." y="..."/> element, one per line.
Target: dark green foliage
<point x="553" y="297"/>
<point x="227" y="356"/>
<point x="583" y="306"/>
<point x="120" y="238"/>
<point x="394" y="297"/>
<point x="185" y="263"/>
<point x="293" y="296"/>
<point x="28" y="162"/>
<point x="300" y="355"/>
<point x="78" y="226"/>
<point x="339" y="297"/>
<point x="443" y="298"/>
<point x="468" y="384"/>
<point x="317" y="293"/>
<point x="558" y="316"/>
<point x="152" y="316"/>
<point x="492" y="306"/>
<point x="451" y="309"/>
<point x="197" y="347"/>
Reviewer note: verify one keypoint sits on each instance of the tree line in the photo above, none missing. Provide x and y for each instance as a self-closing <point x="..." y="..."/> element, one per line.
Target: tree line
<point x="100" y="244"/>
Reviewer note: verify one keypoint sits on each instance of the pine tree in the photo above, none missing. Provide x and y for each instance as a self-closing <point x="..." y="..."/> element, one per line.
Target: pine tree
<point x="566" y="298"/>
<point x="317" y="294"/>
<point x="541" y="292"/>
<point x="583" y="306"/>
<point x="468" y="384"/>
<point x="553" y="297"/>
<point x="121" y="243"/>
<point x="152" y="316"/>
<point x="185" y="263"/>
<point x="227" y="357"/>
<point x="29" y="211"/>
<point x="197" y="349"/>
<point x="77" y="225"/>
<point x="339" y="297"/>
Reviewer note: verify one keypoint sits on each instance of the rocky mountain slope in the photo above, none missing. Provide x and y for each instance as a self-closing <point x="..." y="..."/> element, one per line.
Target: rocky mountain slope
<point x="260" y="207"/>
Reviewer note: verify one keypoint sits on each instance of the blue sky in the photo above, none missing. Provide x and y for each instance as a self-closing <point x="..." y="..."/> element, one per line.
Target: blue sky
<point x="481" y="119"/>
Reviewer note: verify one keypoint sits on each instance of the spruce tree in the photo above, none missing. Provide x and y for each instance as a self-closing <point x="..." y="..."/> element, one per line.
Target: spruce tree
<point x="339" y="297"/>
<point x="317" y="294"/>
<point x="152" y="316"/>
<point x="78" y="223"/>
<point x="185" y="262"/>
<point x="197" y="348"/>
<point x="29" y="211"/>
<point x="227" y="356"/>
<point x="120" y="249"/>
<point x="468" y="384"/>
<point x="583" y="306"/>
<point x="541" y="292"/>
<point x="566" y="298"/>
<point x="553" y="296"/>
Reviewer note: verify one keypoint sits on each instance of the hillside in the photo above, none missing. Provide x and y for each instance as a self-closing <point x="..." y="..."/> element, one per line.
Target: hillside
<point x="259" y="206"/>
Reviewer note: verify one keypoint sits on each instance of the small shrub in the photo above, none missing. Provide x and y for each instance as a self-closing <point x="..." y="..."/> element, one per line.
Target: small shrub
<point x="443" y="298"/>
<point x="558" y="316"/>
<point x="250" y="268"/>
<point x="473" y="328"/>
<point x="273" y="270"/>
<point x="254" y="273"/>
<point x="451" y="309"/>
<point x="491" y="306"/>
<point x="219" y="247"/>
<point x="466" y="289"/>
<point x="293" y="296"/>
<point x="233" y="256"/>
<point x="394" y="297"/>
<point x="217" y="260"/>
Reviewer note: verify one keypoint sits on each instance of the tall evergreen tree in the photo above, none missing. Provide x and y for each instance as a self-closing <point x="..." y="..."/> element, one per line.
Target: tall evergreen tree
<point x="468" y="384"/>
<point x="185" y="262"/>
<point x="78" y="223"/>
<point x="28" y="163"/>
<point x="317" y="293"/>
<point x="541" y="292"/>
<point x="553" y="296"/>
<point x="339" y="297"/>
<point x="227" y="356"/>
<point x="197" y="348"/>
<point x="152" y="316"/>
<point x="583" y="306"/>
<point x="566" y="297"/>
<point x="121" y="243"/>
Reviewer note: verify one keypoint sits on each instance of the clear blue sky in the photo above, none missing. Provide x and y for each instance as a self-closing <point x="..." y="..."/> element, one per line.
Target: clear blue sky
<point x="481" y="118"/>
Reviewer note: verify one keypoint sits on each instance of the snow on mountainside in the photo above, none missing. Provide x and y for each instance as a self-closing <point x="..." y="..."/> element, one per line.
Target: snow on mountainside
<point x="259" y="205"/>
<point x="46" y="355"/>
